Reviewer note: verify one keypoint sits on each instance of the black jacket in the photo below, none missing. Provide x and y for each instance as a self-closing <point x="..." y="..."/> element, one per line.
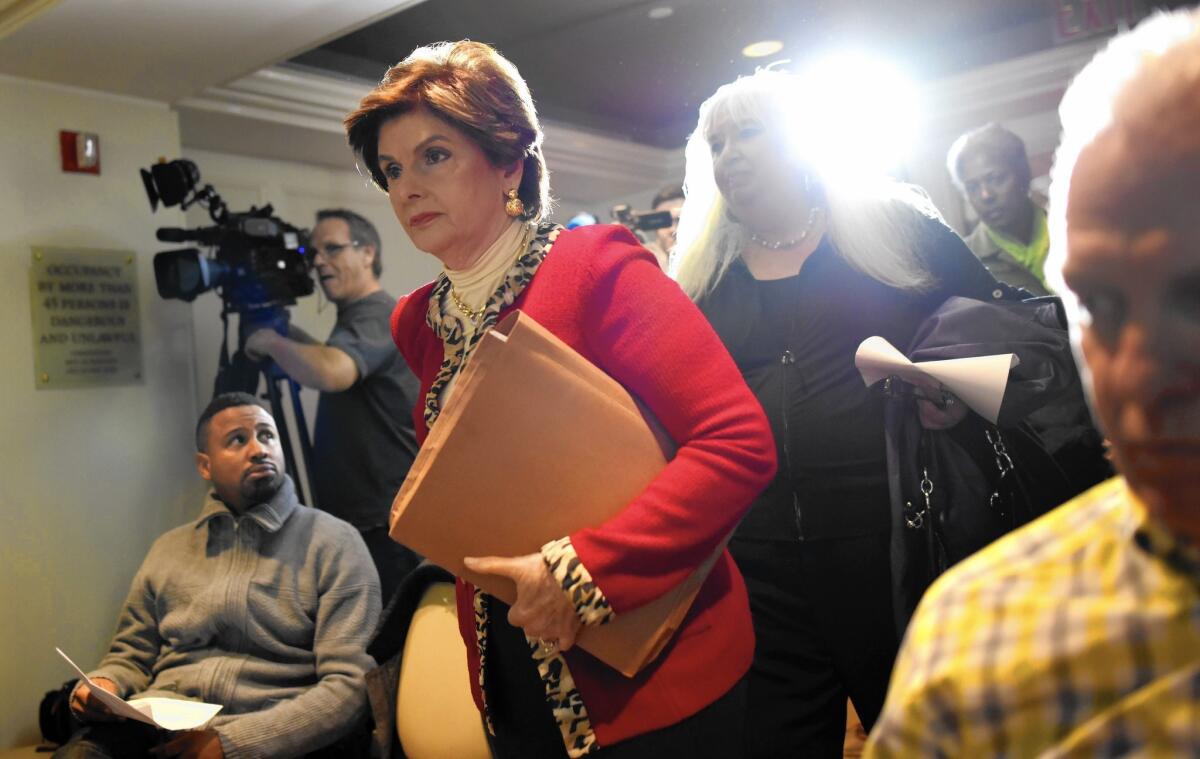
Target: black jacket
<point x="1043" y="401"/>
<point x="794" y="340"/>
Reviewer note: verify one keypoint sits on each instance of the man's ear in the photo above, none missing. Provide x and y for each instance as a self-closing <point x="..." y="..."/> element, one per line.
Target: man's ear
<point x="204" y="465"/>
<point x="371" y="258"/>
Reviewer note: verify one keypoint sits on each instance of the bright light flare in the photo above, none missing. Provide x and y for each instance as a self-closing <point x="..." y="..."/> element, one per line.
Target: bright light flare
<point x="856" y="117"/>
<point x="762" y="48"/>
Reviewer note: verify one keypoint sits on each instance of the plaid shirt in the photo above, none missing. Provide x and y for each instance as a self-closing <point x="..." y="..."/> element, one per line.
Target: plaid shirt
<point x="1078" y="635"/>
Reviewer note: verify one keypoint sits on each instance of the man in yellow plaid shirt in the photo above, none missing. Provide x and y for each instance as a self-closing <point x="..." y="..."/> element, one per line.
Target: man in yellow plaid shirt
<point x="1079" y="635"/>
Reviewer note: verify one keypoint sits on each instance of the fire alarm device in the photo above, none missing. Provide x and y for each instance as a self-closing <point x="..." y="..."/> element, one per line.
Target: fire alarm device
<point x="80" y="152"/>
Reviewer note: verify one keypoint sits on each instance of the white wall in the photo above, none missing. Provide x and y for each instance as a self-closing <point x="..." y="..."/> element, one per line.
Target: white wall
<point x="88" y="477"/>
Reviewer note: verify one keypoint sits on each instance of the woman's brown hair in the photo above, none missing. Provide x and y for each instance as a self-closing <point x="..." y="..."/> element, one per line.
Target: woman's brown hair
<point x="470" y="86"/>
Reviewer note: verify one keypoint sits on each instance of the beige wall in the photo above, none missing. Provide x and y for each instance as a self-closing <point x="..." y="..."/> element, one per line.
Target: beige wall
<point x="88" y="477"/>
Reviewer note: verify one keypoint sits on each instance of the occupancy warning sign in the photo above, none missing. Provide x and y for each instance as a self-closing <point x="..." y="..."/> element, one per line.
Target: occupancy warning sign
<point x="86" y="330"/>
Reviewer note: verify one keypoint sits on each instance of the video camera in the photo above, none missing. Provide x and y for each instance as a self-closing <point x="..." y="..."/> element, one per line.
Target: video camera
<point x="646" y="221"/>
<point x="259" y="266"/>
<point x="260" y="263"/>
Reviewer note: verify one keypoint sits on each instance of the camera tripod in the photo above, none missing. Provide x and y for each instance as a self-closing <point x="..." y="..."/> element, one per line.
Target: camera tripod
<point x="239" y="374"/>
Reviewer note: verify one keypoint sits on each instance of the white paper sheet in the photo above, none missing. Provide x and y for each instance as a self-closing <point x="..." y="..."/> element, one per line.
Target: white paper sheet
<point x="165" y="713"/>
<point x="978" y="381"/>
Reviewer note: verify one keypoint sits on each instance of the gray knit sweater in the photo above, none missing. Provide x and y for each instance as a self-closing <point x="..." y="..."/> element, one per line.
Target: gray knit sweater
<point x="268" y="615"/>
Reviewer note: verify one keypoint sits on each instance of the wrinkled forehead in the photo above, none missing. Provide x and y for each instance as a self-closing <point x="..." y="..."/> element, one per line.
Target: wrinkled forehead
<point x="1132" y="218"/>
<point x="331" y="227"/>
<point x="1150" y="151"/>
<point x="247" y="417"/>
<point x="403" y="133"/>
<point x="1137" y="177"/>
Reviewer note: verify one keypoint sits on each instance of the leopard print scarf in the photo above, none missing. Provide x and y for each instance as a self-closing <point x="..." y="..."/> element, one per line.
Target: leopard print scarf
<point x="562" y="696"/>
<point x="446" y="325"/>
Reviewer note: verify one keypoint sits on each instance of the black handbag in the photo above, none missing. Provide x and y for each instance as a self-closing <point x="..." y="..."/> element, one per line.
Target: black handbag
<point x="955" y="491"/>
<point x="972" y="484"/>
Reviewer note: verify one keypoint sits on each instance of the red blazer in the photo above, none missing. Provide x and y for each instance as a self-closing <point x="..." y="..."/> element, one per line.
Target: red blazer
<point x="603" y="294"/>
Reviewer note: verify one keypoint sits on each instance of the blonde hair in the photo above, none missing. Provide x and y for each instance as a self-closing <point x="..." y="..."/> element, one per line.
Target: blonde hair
<point x="873" y="224"/>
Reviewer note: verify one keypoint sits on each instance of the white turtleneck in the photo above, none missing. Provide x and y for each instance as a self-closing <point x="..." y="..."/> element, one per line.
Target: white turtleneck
<point x="475" y="285"/>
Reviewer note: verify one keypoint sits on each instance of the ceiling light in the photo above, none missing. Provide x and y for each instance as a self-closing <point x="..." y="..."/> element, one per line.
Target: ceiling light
<point x="762" y="48"/>
<point x="660" y="12"/>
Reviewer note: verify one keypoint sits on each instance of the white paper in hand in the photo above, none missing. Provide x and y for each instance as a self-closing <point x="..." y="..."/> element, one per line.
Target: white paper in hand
<point x="165" y="713"/>
<point x="978" y="381"/>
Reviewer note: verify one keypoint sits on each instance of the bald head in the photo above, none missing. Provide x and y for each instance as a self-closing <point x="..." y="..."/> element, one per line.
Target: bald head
<point x="1125" y="242"/>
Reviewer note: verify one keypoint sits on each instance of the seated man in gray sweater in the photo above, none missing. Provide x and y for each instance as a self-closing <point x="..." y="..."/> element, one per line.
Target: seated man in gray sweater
<point x="261" y="604"/>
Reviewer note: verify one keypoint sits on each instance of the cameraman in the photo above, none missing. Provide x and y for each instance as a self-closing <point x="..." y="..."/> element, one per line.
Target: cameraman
<point x="363" y="443"/>
<point x="669" y="198"/>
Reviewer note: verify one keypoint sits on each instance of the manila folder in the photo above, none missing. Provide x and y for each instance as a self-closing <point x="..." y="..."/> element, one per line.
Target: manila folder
<point x="535" y="443"/>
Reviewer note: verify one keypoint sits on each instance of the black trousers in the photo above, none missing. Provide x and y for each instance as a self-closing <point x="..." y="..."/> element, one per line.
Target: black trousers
<point x="128" y="739"/>
<point x="525" y="728"/>
<point x="112" y="740"/>
<point x="823" y="622"/>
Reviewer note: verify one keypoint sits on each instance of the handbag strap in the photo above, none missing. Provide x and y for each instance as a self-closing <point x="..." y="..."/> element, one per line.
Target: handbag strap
<point x="924" y="517"/>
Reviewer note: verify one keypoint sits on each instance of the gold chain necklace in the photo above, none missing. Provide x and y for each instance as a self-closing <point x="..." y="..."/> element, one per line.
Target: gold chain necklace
<point x="475" y="314"/>
<point x="472" y="313"/>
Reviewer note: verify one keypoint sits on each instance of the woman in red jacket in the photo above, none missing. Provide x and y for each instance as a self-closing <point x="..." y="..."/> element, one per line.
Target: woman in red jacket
<point x="452" y="137"/>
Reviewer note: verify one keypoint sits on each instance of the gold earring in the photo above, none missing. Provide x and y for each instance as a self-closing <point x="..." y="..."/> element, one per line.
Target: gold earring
<point x="514" y="207"/>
